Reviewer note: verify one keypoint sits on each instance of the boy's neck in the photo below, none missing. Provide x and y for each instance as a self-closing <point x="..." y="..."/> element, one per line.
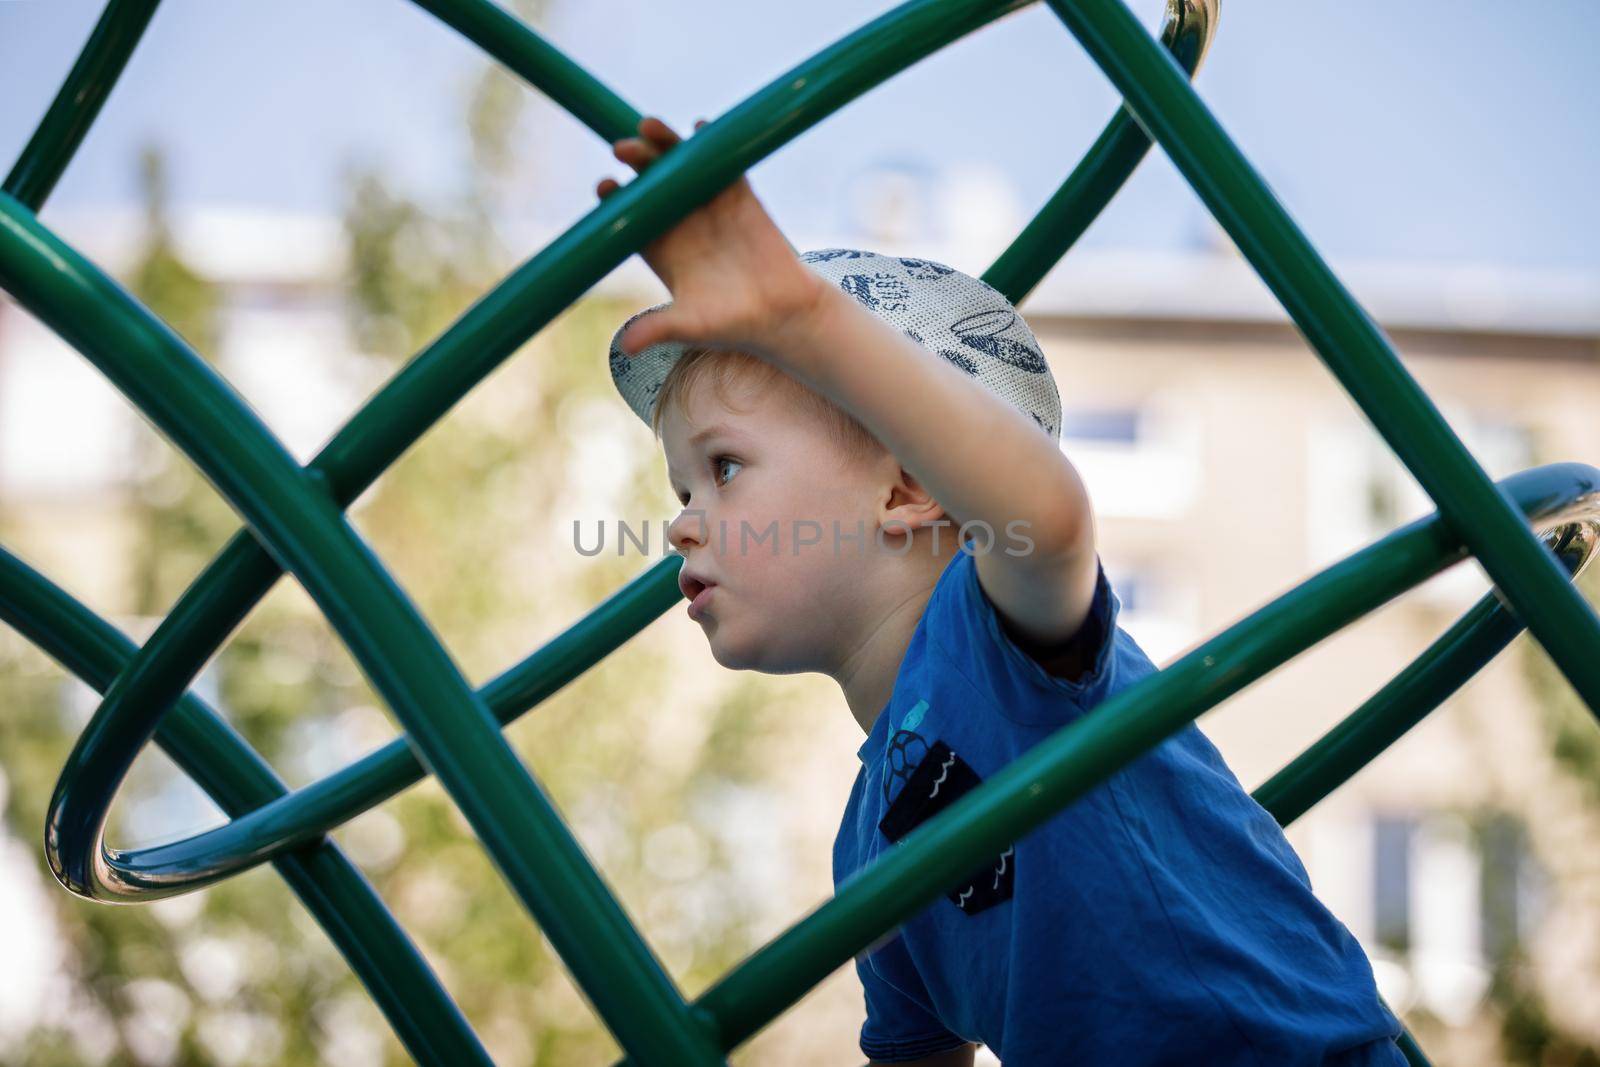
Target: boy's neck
<point x="868" y="674"/>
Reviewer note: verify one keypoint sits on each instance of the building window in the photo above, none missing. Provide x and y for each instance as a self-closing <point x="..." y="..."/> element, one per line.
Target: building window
<point x="1509" y="887"/>
<point x="1451" y="898"/>
<point x="1107" y="425"/>
<point x="1391" y="882"/>
<point x="1158" y="606"/>
<point x="1132" y="591"/>
<point x="1138" y="462"/>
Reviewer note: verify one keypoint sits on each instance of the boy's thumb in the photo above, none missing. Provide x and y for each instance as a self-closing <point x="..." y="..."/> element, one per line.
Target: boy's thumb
<point x="650" y="329"/>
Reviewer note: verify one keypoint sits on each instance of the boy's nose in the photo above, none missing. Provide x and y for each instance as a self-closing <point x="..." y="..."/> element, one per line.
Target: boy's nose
<point x="688" y="528"/>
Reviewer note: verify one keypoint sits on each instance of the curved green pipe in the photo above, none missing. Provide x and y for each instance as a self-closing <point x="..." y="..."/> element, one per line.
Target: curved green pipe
<point x="1117" y="148"/>
<point x="339" y="898"/>
<point x="1447" y="664"/>
<point x="291" y="512"/>
<point x="313" y="810"/>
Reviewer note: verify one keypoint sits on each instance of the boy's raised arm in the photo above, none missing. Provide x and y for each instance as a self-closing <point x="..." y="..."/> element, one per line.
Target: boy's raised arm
<point x="737" y="283"/>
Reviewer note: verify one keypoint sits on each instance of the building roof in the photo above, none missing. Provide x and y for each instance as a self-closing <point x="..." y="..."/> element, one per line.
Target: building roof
<point x="245" y="246"/>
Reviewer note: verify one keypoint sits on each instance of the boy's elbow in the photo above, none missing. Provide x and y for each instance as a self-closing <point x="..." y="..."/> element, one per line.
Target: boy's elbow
<point x="1065" y="529"/>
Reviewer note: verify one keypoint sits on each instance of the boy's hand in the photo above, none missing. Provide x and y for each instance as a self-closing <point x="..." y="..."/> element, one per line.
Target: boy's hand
<point x="735" y="280"/>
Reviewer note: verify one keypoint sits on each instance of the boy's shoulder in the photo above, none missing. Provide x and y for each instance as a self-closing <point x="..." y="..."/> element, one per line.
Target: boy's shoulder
<point x="963" y="634"/>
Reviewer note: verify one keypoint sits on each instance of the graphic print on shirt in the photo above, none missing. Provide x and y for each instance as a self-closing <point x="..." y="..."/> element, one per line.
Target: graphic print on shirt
<point x="935" y="777"/>
<point x="904" y="753"/>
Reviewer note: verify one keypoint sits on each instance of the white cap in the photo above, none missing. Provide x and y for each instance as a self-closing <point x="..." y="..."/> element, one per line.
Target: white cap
<point x="953" y="315"/>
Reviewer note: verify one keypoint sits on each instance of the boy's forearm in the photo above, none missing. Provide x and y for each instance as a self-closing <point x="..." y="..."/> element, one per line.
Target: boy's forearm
<point x="981" y="458"/>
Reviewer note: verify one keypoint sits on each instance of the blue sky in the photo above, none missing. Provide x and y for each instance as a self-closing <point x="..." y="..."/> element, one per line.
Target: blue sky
<point x="1415" y="132"/>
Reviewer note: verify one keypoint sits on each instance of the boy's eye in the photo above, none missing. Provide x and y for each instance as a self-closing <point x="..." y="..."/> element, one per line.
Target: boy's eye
<point x="717" y="463"/>
<point x="716" y="467"/>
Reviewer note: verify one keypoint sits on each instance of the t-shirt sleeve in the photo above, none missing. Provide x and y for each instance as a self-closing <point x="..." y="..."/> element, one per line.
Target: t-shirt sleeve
<point x="971" y="632"/>
<point x="897" y="1027"/>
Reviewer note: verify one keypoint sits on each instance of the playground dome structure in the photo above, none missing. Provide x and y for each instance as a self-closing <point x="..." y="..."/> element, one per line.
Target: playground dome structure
<point x="1532" y="533"/>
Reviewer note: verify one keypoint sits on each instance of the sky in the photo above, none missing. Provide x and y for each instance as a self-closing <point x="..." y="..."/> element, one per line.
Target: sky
<point x="1392" y="131"/>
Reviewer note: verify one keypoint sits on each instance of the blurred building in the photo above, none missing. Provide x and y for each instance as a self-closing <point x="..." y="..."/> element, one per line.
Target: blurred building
<point x="1226" y="465"/>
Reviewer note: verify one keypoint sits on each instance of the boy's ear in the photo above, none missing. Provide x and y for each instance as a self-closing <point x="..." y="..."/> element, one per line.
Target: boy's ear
<point x="908" y="504"/>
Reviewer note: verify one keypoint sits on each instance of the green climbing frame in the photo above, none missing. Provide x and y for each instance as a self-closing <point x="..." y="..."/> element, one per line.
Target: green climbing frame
<point x="1531" y="532"/>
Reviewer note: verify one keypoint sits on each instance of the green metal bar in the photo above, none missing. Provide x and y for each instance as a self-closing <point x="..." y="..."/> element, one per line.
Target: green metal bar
<point x="1447" y="664"/>
<point x="258" y="482"/>
<point x="1186" y="33"/>
<point x="290" y="511"/>
<point x="430" y="384"/>
<point x="1350" y="343"/>
<point x="331" y="801"/>
<point x="339" y="898"/>
<point x="519" y="49"/>
<point x="1074" y="759"/>
<point x="73" y="111"/>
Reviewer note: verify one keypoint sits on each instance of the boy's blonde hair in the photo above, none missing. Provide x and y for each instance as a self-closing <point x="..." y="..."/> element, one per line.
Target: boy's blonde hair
<point x="722" y="367"/>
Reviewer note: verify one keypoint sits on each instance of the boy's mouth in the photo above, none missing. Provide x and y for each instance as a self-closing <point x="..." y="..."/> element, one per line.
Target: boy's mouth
<point x="697" y="606"/>
<point x="695" y="590"/>
<point x="691" y="584"/>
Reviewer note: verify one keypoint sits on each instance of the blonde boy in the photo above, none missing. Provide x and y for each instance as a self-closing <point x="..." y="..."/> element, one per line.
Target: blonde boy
<point x="866" y="451"/>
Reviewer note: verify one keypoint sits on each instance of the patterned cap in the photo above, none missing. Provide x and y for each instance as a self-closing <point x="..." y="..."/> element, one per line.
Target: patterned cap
<point x="953" y="315"/>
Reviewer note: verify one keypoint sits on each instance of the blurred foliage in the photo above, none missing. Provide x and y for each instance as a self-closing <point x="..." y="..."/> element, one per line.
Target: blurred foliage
<point x="1529" y="1033"/>
<point x="160" y="277"/>
<point x="1573" y="729"/>
<point x="238" y="974"/>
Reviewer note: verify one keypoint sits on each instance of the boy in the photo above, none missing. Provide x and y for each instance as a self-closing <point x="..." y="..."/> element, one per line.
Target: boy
<point x="842" y="410"/>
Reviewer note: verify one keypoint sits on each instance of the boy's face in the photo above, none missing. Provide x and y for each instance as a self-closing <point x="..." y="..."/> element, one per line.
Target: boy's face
<point x="757" y="483"/>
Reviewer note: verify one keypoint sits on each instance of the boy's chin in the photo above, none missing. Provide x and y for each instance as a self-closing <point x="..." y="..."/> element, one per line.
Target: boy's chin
<point x="752" y="653"/>
<point x="730" y="654"/>
<point x="737" y="651"/>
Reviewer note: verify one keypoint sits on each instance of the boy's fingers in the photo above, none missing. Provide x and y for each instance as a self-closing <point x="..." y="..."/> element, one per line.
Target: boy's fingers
<point x="636" y="153"/>
<point x="638" y="146"/>
<point x="656" y="130"/>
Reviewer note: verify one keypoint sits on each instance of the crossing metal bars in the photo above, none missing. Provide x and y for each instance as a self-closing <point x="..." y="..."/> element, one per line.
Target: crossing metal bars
<point x="294" y="522"/>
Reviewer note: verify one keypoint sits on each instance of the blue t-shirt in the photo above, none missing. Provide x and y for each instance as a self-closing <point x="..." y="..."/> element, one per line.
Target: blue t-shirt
<point x="1161" y="918"/>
